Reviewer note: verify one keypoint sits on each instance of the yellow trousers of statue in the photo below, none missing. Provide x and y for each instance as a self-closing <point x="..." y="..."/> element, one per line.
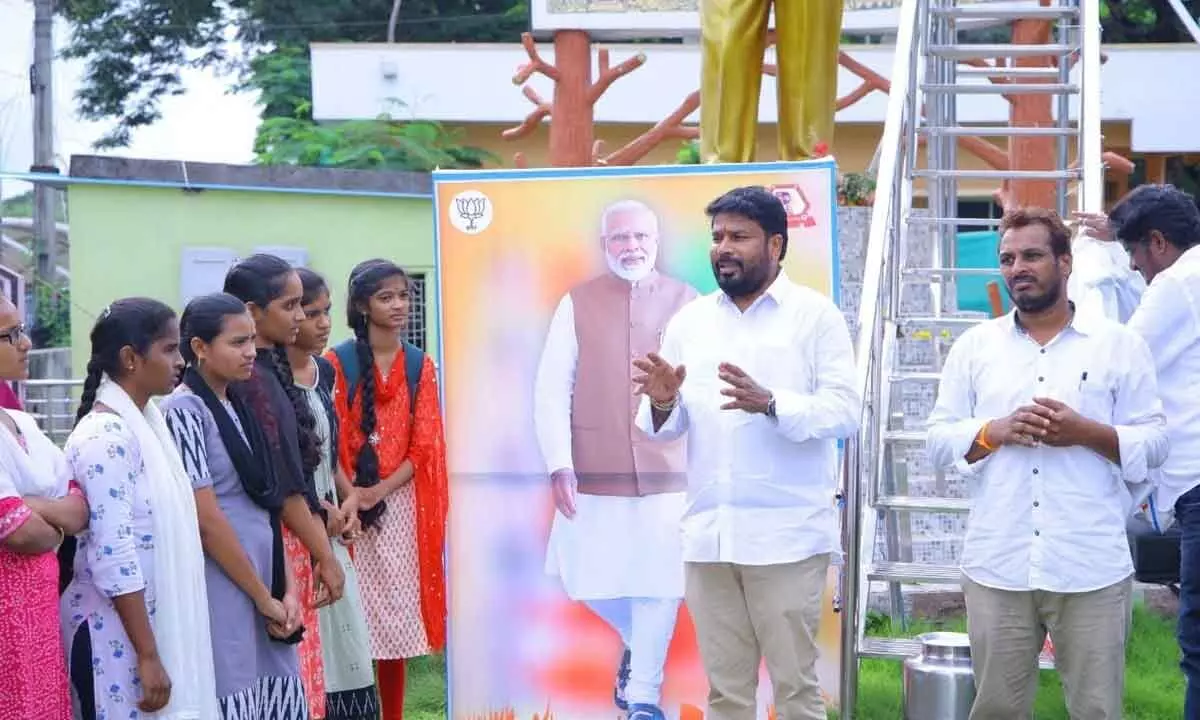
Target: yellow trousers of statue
<point x="733" y="35"/>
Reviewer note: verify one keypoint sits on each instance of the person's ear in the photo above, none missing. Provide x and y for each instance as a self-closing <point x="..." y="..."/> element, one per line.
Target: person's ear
<point x="128" y="358"/>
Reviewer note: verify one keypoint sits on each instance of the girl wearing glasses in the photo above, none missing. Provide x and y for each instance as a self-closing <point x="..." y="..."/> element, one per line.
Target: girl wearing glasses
<point x="38" y="507"/>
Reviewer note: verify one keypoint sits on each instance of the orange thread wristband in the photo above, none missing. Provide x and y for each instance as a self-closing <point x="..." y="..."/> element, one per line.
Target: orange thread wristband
<point x="981" y="438"/>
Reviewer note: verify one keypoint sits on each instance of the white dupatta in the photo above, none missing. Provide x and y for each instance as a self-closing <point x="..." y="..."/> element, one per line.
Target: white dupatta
<point x="41" y="472"/>
<point x="181" y="626"/>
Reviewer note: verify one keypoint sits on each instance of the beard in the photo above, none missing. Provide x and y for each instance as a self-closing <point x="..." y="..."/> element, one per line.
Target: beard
<point x="1036" y="303"/>
<point x="744" y="281"/>
<point x="639" y="271"/>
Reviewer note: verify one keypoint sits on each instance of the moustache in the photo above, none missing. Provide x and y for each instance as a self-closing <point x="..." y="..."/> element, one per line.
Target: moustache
<point x="1023" y="278"/>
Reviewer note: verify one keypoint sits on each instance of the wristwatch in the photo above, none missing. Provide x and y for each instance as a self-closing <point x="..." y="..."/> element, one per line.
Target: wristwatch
<point x="771" y="407"/>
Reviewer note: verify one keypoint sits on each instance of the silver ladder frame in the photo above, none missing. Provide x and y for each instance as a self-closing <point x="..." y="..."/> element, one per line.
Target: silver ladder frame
<point x="926" y="75"/>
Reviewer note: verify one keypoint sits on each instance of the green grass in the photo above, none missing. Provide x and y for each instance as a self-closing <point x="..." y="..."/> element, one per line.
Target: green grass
<point x="1153" y="683"/>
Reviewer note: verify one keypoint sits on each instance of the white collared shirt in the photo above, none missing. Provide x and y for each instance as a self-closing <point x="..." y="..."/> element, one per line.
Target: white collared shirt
<point x="1048" y="518"/>
<point x="1168" y="319"/>
<point x="761" y="491"/>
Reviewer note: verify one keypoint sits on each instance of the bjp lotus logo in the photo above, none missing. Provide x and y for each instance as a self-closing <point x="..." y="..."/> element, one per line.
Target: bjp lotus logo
<point x="471" y="212"/>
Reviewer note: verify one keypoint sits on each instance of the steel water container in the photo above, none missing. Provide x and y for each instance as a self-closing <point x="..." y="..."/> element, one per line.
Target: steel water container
<point x="938" y="683"/>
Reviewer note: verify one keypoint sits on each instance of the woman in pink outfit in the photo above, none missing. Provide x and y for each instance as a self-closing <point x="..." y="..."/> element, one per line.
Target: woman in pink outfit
<point x="39" y="506"/>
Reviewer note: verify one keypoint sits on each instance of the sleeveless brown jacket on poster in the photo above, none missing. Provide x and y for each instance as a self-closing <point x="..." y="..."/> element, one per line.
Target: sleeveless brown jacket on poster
<point x="617" y="322"/>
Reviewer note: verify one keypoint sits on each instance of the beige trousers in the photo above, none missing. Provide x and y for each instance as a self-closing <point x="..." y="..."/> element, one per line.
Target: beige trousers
<point x="1008" y="629"/>
<point x="745" y="614"/>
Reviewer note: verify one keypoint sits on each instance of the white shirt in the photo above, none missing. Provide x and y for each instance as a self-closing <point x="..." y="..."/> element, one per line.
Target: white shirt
<point x="1168" y="319"/>
<point x="1048" y="518"/>
<point x="761" y="490"/>
<point x="1102" y="283"/>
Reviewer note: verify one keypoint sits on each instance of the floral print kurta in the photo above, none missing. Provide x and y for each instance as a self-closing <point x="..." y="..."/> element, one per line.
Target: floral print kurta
<point x="115" y="556"/>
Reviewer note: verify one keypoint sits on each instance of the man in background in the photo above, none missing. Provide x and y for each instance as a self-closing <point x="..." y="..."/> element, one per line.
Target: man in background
<point x="1047" y="411"/>
<point x="1159" y="226"/>
<point x="615" y="539"/>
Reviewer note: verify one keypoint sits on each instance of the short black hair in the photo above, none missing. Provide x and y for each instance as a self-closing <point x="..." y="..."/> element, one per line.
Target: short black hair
<point x="1060" y="236"/>
<point x="1164" y="208"/>
<point x="754" y="202"/>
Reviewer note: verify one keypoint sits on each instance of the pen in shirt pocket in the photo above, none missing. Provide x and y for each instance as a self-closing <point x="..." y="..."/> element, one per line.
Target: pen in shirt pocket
<point x="1082" y="379"/>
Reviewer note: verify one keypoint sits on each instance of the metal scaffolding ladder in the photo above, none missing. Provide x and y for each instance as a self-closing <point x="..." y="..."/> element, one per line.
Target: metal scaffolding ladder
<point x="908" y="315"/>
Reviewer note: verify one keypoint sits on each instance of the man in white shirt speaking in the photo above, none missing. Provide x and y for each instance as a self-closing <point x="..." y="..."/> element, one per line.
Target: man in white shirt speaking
<point x="1049" y="414"/>
<point x="760" y="377"/>
<point x="614" y="540"/>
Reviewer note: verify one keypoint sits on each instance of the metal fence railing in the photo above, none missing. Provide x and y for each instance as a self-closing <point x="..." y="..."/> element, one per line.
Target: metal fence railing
<point x="51" y="394"/>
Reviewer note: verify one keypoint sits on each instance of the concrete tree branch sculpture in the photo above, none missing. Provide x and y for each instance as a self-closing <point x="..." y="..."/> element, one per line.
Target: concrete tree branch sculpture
<point x="572" y="109"/>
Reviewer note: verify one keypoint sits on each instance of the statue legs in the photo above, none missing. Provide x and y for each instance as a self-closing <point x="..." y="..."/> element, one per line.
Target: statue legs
<point x="806" y="39"/>
<point x="733" y="39"/>
<point x="733" y="36"/>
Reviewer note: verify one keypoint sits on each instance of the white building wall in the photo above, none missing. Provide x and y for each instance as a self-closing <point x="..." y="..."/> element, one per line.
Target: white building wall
<point x="1154" y="87"/>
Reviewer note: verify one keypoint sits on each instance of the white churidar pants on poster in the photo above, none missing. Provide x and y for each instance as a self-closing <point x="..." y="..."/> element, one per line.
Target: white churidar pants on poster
<point x="623" y="557"/>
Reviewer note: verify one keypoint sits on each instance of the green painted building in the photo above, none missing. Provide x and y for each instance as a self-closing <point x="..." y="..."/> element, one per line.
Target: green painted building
<point x="169" y="230"/>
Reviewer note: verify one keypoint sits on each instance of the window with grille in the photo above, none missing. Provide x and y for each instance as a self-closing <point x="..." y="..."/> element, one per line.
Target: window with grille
<point x="415" y="333"/>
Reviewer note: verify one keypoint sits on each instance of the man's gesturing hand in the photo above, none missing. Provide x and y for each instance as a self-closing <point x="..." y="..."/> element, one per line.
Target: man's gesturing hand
<point x="744" y="392"/>
<point x="660" y="381"/>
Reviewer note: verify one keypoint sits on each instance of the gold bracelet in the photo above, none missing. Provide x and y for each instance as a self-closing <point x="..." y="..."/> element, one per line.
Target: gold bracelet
<point x="665" y="407"/>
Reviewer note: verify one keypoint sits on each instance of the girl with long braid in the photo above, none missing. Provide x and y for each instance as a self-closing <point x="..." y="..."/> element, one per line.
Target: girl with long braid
<point x="345" y="642"/>
<point x="272" y="291"/>
<point x="135" y="615"/>
<point x="391" y="443"/>
<point x="253" y="606"/>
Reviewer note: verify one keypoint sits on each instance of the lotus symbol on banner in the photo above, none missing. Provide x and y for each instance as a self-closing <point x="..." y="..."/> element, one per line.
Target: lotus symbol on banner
<point x="471" y="212"/>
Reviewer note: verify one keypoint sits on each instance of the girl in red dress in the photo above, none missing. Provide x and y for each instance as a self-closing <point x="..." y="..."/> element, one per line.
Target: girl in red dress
<point x="392" y="444"/>
<point x="38" y="508"/>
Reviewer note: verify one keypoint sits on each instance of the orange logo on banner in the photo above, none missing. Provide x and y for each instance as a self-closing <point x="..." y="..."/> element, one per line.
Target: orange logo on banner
<point x="796" y="205"/>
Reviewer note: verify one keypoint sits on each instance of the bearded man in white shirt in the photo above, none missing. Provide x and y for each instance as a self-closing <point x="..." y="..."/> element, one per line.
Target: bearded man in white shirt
<point x="614" y="540"/>
<point x="1050" y="414"/>
<point x="1159" y="225"/>
<point x="760" y="377"/>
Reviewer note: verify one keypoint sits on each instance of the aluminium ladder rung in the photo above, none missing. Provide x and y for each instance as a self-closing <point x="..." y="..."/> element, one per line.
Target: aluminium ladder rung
<point x="923" y="504"/>
<point x="932" y="275"/>
<point x="882" y="648"/>
<point x="983" y="12"/>
<point x="1000" y="174"/>
<point x="997" y="131"/>
<point x="899" y="376"/>
<point x="978" y="222"/>
<point x="925" y="322"/>
<point x="971" y="51"/>
<point x="904" y="436"/>
<point x="1000" y="89"/>
<point x="913" y="573"/>
<point x="1008" y="71"/>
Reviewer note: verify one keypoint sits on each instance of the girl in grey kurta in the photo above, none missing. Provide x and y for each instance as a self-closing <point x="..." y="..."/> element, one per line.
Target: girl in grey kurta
<point x="345" y="640"/>
<point x="254" y="618"/>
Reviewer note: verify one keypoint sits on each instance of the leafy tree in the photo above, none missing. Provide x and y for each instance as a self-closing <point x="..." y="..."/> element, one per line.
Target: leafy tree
<point x="134" y="49"/>
<point x="289" y="136"/>
<point x="1144" y="21"/>
<point x="52" y="323"/>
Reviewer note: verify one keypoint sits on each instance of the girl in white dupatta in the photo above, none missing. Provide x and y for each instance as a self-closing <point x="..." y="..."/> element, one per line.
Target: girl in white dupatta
<point x="136" y="613"/>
